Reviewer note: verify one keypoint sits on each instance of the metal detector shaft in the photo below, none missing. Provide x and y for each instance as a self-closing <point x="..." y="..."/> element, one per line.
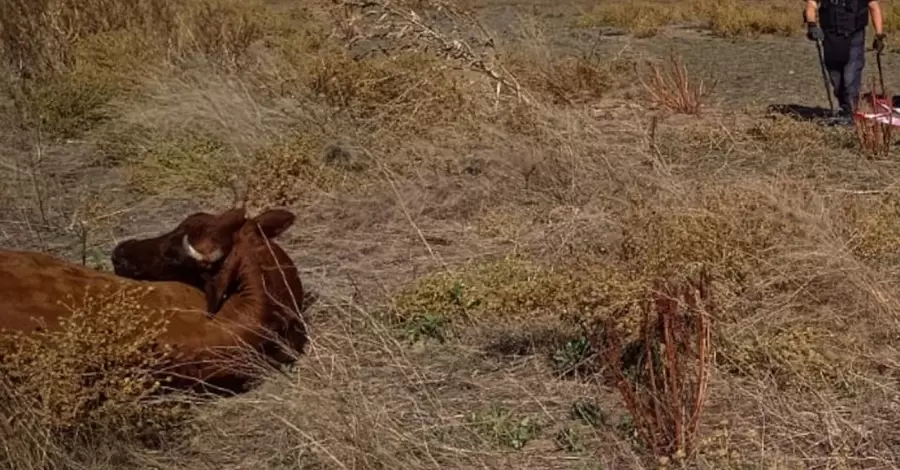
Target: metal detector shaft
<point x="825" y="75"/>
<point x="880" y="74"/>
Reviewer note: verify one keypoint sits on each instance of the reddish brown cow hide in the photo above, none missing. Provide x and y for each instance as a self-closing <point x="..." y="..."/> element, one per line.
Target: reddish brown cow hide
<point x="262" y="316"/>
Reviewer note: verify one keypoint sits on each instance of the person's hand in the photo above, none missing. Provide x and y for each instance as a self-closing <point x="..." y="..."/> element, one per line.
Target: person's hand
<point x="814" y="32"/>
<point x="878" y="43"/>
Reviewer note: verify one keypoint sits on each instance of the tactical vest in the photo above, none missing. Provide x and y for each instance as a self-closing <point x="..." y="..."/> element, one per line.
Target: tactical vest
<point x="843" y="17"/>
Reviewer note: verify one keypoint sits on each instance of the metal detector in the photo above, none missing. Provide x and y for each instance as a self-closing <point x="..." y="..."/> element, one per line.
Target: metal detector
<point x="825" y="75"/>
<point x="881" y="77"/>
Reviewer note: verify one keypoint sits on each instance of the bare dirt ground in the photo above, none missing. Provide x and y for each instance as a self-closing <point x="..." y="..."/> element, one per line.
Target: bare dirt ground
<point x="459" y="240"/>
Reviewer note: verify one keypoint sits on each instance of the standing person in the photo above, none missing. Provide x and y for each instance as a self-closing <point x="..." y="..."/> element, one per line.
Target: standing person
<point x="841" y="27"/>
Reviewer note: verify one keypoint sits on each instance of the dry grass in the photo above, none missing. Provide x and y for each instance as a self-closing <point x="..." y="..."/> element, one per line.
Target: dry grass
<point x="71" y="59"/>
<point x="475" y="207"/>
<point x="572" y="79"/>
<point x="642" y="19"/>
<point x="729" y="18"/>
<point x="737" y="18"/>
<point x="891" y="15"/>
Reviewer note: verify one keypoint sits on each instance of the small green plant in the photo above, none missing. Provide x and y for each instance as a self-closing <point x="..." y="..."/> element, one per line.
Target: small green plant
<point x="291" y="171"/>
<point x="505" y="428"/>
<point x="588" y="412"/>
<point x="187" y="161"/>
<point x="432" y="326"/>
<point x="514" y="288"/>
<point x="66" y="105"/>
<point x="458" y="296"/>
<point x="626" y="426"/>
<point x="573" y="357"/>
<point x="96" y="259"/>
<point x="569" y="440"/>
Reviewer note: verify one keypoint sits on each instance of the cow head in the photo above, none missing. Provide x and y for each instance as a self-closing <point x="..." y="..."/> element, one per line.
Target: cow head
<point x="183" y="254"/>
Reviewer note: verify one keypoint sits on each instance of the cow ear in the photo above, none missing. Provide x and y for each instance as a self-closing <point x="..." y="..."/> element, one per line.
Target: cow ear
<point x="273" y="222"/>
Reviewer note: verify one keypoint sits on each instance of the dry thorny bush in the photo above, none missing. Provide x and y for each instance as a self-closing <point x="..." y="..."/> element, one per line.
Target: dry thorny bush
<point x="670" y="87"/>
<point x="665" y="392"/>
<point x="874" y="137"/>
<point x="94" y="374"/>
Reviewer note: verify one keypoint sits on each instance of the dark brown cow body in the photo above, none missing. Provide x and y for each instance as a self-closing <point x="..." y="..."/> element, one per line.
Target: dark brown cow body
<point x="259" y="314"/>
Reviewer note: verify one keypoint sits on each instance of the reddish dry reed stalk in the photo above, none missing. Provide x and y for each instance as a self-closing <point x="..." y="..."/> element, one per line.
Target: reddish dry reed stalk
<point x="875" y="138"/>
<point x="670" y="87"/>
<point x="666" y="391"/>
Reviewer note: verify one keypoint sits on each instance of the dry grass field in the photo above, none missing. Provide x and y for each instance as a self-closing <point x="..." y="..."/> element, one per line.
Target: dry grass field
<point x="488" y="192"/>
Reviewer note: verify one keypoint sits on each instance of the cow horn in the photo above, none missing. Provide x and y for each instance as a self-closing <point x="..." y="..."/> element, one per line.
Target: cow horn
<point x="193" y="253"/>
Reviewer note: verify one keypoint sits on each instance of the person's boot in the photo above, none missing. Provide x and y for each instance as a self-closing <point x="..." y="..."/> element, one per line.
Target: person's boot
<point x="844" y="117"/>
<point x="844" y="120"/>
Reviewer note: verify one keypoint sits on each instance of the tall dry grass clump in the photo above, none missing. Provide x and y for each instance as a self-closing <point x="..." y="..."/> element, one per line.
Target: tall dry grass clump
<point x="25" y="443"/>
<point x="69" y="59"/>
<point x="39" y="37"/>
<point x="642" y="19"/>
<point x="891" y="14"/>
<point x="446" y="31"/>
<point x="42" y="37"/>
<point x="669" y="86"/>
<point x="571" y="79"/>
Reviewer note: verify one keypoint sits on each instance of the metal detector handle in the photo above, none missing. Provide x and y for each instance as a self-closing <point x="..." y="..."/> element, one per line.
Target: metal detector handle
<point x="825" y="75"/>
<point x="881" y="76"/>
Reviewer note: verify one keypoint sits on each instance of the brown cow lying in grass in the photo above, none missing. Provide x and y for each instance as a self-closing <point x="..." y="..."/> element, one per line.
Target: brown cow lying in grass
<point x="191" y="253"/>
<point x="262" y="316"/>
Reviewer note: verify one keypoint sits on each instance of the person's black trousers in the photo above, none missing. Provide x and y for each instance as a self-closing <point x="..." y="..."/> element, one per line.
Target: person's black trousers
<point x="845" y="57"/>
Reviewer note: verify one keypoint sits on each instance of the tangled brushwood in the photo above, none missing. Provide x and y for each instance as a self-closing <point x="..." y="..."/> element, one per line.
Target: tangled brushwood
<point x="666" y="390"/>
<point x="406" y="25"/>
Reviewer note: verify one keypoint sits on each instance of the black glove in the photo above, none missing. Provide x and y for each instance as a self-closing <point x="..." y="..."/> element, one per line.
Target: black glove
<point x="814" y="32"/>
<point x="878" y="43"/>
